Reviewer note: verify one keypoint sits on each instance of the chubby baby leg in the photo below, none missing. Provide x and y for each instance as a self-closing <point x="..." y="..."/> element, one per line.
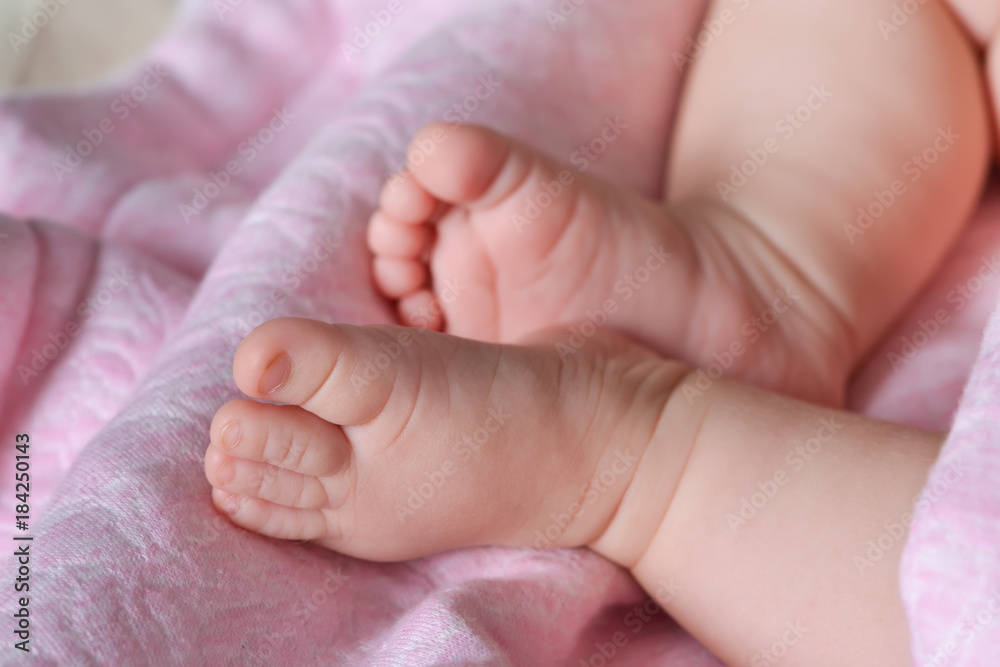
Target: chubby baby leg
<point x="767" y="538"/>
<point x="822" y="149"/>
<point x="391" y="443"/>
<point x="820" y="163"/>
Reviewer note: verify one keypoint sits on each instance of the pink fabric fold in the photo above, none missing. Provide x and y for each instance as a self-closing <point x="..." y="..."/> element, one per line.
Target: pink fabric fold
<point x="236" y="190"/>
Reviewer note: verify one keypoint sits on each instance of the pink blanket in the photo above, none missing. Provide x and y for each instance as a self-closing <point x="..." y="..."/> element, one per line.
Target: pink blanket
<point x="227" y="180"/>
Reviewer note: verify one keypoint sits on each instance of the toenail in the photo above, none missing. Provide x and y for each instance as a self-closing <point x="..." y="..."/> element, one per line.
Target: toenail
<point x="276" y="374"/>
<point x="231" y="434"/>
<point x="226" y="472"/>
<point x="231" y="504"/>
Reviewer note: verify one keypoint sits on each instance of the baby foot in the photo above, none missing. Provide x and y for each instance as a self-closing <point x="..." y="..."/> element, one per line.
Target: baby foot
<point x="513" y="241"/>
<point x="394" y="443"/>
<point x="491" y="240"/>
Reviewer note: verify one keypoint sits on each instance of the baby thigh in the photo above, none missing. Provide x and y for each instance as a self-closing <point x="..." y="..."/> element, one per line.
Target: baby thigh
<point x="853" y="144"/>
<point x="980" y="17"/>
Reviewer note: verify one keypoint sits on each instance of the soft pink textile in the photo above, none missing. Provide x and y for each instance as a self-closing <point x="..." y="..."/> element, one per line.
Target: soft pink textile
<point x="121" y="310"/>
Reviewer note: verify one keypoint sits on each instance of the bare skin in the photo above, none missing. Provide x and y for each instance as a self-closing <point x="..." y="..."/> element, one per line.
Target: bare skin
<point x="830" y="136"/>
<point x="390" y="467"/>
<point x="490" y="434"/>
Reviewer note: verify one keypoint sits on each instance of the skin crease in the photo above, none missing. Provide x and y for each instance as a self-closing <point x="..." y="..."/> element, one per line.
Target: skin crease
<point x="652" y="465"/>
<point x="734" y="245"/>
<point x="979" y="17"/>
<point x="669" y="462"/>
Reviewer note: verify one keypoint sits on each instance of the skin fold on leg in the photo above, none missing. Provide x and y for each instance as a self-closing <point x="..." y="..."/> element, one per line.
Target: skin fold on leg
<point x="764" y="547"/>
<point x="817" y="150"/>
<point x="757" y="509"/>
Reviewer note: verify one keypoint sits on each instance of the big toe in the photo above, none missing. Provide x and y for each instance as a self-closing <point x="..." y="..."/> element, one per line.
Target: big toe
<point x="456" y="165"/>
<point x="341" y="373"/>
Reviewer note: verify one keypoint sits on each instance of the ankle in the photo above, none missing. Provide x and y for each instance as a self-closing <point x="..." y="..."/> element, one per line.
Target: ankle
<point x="772" y="327"/>
<point x="675" y="420"/>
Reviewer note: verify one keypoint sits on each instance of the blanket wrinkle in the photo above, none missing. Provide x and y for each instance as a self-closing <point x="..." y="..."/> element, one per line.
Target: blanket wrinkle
<point x="131" y="563"/>
<point x="19" y="276"/>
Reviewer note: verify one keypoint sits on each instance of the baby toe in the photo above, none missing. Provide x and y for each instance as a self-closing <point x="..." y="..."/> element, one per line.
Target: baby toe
<point x="464" y="163"/>
<point x="405" y="200"/>
<point x="390" y="238"/>
<point x="279" y="521"/>
<point x="421" y="309"/>
<point x="399" y="277"/>
<point x="264" y="481"/>
<point x="343" y="374"/>
<point x="287" y="437"/>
